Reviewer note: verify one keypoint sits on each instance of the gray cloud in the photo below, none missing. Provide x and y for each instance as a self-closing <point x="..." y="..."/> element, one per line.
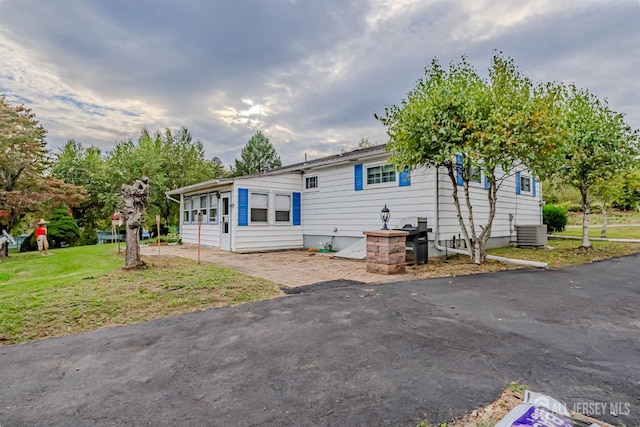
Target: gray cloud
<point x="310" y="74"/>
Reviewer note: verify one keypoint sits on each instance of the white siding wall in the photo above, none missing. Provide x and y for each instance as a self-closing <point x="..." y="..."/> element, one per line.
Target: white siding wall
<point x="270" y="236"/>
<point x="209" y="234"/>
<point x="336" y="204"/>
<point x="524" y="207"/>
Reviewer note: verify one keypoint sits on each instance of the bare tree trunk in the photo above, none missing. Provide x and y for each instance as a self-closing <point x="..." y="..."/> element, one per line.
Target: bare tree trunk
<point x="585" y="218"/>
<point x="135" y="198"/>
<point x="603" y="231"/>
<point x="456" y="202"/>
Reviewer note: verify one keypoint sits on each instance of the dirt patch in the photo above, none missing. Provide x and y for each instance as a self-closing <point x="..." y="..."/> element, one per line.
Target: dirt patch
<point x="457" y="265"/>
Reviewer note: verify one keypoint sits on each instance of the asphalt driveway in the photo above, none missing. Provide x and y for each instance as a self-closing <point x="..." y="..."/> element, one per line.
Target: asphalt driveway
<point x="348" y="354"/>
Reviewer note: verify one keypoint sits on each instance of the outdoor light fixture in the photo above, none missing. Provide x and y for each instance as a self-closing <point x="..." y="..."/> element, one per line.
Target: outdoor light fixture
<point x="385" y="216"/>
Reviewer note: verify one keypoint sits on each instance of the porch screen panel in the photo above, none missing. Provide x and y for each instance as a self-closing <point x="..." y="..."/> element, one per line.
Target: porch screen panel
<point x="186" y="214"/>
<point x="213" y="208"/>
<point x="203" y="207"/>
<point x="195" y="207"/>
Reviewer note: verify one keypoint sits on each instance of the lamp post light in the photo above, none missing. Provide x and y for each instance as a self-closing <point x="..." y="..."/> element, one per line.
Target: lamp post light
<point x="385" y="216"/>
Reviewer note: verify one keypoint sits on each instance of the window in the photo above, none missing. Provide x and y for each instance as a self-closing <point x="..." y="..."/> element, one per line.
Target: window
<point x="283" y="208"/>
<point x="213" y="208"/>
<point x="380" y="174"/>
<point x="195" y="207"/>
<point x="259" y="207"/>
<point x="187" y="208"/>
<point x="475" y="174"/>
<point x="203" y="207"/>
<point x="525" y="184"/>
<point x="311" y="182"/>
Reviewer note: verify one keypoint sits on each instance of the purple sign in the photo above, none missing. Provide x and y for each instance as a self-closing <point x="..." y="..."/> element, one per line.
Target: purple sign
<point x="540" y="417"/>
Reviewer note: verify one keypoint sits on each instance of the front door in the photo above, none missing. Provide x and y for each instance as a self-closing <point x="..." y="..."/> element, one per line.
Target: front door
<point x="225" y="221"/>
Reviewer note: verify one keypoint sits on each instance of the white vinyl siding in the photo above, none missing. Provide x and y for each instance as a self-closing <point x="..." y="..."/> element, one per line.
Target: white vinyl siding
<point x="523" y="208"/>
<point x="270" y="235"/>
<point x="337" y="209"/>
<point x="337" y="206"/>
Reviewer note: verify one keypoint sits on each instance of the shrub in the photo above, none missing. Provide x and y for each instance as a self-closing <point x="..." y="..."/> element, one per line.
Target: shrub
<point x="88" y="236"/>
<point x="555" y="217"/>
<point x="29" y="244"/>
<point x="63" y="230"/>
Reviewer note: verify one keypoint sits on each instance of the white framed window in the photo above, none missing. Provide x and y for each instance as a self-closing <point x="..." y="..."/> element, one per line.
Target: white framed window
<point x="380" y="174"/>
<point x="203" y="207"/>
<point x="475" y="174"/>
<point x="213" y="208"/>
<point x="311" y="182"/>
<point x="283" y="208"/>
<point x="186" y="213"/>
<point x="525" y="184"/>
<point x="259" y="203"/>
<point x="195" y="208"/>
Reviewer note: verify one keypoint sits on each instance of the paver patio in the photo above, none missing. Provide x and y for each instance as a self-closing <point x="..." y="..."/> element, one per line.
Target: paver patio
<point x="288" y="268"/>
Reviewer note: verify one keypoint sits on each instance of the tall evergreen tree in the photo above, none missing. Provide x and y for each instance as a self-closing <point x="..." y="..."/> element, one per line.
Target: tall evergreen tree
<point x="257" y="156"/>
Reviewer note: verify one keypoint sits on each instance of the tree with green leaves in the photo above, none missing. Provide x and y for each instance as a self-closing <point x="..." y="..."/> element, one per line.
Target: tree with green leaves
<point x="257" y="156"/>
<point x="26" y="188"/>
<point x="169" y="160"/>
<point x="630" y="197"/>
<point x="456" y="120"/>
<point x="605" y="191"/>
<point x="598" y="144"/>
<point x="85" y="167"/>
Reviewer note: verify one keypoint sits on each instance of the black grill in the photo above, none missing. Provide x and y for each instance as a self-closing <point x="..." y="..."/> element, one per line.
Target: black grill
<point x="417" y="242"/>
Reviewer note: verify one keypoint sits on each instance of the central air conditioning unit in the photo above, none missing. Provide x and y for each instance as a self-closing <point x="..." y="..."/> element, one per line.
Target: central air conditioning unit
<point x="531" y="236"/>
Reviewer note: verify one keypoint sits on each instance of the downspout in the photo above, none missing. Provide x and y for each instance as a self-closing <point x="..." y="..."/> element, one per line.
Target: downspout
<point x="460" y="251"/>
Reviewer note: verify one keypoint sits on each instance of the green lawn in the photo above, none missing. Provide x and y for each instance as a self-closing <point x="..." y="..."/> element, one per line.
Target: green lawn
<point x="613" y="217"/>
<point x="84" y="288"/>
<point x="618" y="232"/>
<point x="568" y="252"/>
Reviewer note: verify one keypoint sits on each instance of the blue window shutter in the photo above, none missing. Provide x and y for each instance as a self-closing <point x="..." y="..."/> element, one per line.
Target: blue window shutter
<point x="243" y="206"/>
<point x="459" y="166"/>
<point x="486" y="182"/>
<point x="517" y="182"/>
<point x="533" y="186"/>
<point x="405" y="178"/>
<point x="357" y="177"/>
<point x="297" y="220"/>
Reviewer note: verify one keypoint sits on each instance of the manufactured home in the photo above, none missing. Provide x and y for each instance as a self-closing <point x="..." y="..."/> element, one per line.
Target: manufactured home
<point x="332" y="200"/>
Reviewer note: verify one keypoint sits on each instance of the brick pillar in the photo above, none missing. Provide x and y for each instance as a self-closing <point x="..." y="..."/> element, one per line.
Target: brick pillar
<point x="386" y="251"/>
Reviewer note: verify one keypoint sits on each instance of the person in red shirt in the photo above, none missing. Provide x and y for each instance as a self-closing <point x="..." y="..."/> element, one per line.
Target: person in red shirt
<point x="41" y="237"/>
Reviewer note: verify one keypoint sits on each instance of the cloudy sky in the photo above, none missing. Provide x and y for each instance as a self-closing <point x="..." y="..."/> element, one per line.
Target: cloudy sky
<point x="309" y="73"/>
